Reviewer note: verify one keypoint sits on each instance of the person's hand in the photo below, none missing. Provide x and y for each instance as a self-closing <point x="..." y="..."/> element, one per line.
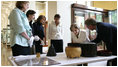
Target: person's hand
<point x="30" y="41"/>
<point x="46" y="22"/>
<point x="36" y="38"/>
<point x="42" y="42"/>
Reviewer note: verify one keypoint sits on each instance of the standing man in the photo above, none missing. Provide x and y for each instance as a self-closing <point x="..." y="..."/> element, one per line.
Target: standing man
<point x="55" y="34"/>
<point x="105" y="32"/>
<point x="31" y="17"/>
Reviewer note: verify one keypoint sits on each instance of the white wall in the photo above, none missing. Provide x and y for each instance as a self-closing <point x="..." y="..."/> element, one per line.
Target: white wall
<point x="64" y="9"/>
<point x="32" y="5"/>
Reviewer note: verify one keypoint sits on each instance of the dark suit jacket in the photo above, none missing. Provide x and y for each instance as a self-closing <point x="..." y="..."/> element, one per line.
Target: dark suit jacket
<point x="107" y="33"/>
<point x="31" y="25"/>
<point x="38" y="30"/>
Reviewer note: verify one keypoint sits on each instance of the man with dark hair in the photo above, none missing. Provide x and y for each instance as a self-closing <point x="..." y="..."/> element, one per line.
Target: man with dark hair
<point x="105" y="32"/>
<point x="31" y="16"/>
<point x="57" y="16"/>
<point x="55" y="34"/>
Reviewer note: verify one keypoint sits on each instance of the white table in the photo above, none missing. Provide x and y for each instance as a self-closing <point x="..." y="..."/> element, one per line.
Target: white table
<point x="64" y="61"/>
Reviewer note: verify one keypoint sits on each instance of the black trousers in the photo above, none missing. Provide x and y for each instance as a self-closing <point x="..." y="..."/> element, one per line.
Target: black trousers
<point x="114" y="52"/>
<point x="58" y="45"/>
<point x="113" y="62"/>
<point x="20" y="50"/>
<point x="38" y="47"/>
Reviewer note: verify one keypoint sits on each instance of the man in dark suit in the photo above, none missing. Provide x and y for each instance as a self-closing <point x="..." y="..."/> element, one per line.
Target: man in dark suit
<point x="105" y="32"/>
<point x="31" y="16"/>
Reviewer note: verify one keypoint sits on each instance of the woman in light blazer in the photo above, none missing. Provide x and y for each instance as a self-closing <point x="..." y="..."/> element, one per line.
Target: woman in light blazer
<point x="78" y="35"/>
<point x="20" y="29"/>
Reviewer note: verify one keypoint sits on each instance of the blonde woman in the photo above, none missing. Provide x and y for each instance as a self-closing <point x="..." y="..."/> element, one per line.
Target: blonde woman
<point x="78" y="35"/>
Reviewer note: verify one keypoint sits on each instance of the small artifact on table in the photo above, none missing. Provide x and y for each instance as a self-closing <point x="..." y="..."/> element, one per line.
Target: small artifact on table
<point x="51" y="51"/>
<point x="73" y="52"/>
<point x="38" y="55"/>
<point x="89" y="49"/>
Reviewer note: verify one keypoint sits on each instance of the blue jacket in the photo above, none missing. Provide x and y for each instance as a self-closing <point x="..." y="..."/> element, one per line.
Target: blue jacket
<point x="38" y="29"/>
<point x="107" y="33"/>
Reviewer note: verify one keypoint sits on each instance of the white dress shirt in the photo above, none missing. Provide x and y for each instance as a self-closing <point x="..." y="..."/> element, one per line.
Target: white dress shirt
<point x="55" y="32"/>
<point x="82" y="37"/>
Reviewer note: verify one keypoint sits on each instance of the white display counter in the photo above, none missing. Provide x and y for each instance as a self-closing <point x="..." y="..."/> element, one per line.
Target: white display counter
<point x="64" y="61"/>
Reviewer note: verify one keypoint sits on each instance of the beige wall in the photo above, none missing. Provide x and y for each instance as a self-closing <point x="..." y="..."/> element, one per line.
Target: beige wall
<point x="109" y="5"/>
<point x="40" y="8"/>
<point x="6" y="8"/>
<point x="52" y="10"/>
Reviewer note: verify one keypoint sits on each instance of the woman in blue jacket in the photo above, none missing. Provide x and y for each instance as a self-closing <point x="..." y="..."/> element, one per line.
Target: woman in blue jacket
<point x="39" y="31"/>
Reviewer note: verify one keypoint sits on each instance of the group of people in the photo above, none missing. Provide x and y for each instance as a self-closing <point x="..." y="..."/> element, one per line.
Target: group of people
<point x="25" y="32"/>
<point x="105" y="32"/>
